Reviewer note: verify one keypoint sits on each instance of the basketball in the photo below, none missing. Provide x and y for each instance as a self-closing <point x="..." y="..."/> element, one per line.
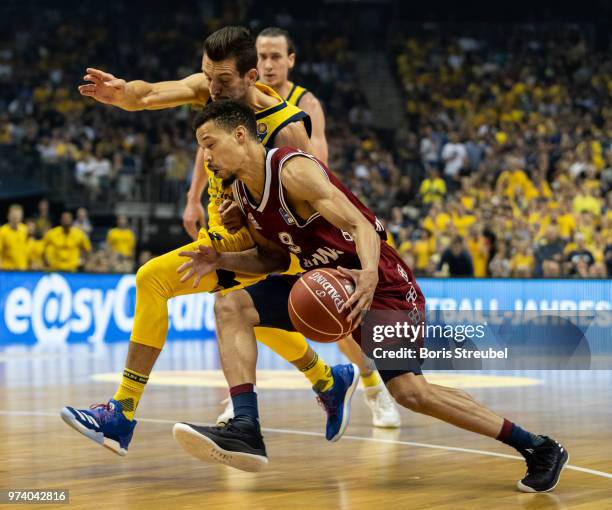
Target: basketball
<point x="315" y="305"/>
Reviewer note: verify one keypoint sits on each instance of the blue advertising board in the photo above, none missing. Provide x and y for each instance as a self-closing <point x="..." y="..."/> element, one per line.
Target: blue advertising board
<point x="60" y="308"/>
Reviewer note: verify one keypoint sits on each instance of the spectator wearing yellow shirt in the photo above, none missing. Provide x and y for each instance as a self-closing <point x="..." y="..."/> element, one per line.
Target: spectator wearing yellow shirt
<point x="14" y="240"/>
<point x="478" y="247"/>
<point x="121" y="239"/>
<point x="566" y="222"/>
<point x="423" y="251"/>
<point x="511" y="180"/>
<point x="537" y="188"/>
<point x="522" y="262"/>
<point x="462" y="219"/>
<point x="436" y="219"/>
<point x="433" y="188"/>
<point x="586" y="201"/>
<point x="64" y="244"/>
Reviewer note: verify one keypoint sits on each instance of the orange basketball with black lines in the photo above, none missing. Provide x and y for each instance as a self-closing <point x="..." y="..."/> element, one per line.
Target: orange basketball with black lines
<point x="315" y="305"/>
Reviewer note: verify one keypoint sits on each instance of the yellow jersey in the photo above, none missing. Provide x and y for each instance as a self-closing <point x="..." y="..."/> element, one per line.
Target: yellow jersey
<point x="36" y="251"/>
<point x="296" y="93"/>
<point x="522" y="262"/>
<point x="422" y="252"/>
<point x="63" y="250"/>
<point x="270" y="121"/>
<point x="480" y="256"/>
<point x="13" y="247"/>
<point x="432" y="189"/>
<point x="121" y="241"/>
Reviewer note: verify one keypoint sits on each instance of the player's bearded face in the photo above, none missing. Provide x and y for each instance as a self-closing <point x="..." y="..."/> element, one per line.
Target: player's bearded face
<point x="224" y="80"/>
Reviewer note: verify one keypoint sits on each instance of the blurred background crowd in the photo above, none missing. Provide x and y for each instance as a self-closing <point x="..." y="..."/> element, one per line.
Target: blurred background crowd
<point x="487" y="149"/>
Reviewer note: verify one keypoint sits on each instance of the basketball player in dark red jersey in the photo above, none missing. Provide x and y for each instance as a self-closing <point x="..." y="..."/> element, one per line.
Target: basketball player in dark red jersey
<point x="295" y="205"/>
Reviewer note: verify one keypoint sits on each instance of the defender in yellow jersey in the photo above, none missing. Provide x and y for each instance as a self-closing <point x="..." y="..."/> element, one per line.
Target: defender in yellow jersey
<point x="228" y="72"/>
<point x="276" y="57"/>
<point x="14" y="241"/>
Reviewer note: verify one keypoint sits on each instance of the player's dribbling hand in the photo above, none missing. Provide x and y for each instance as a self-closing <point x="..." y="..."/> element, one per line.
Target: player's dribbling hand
<point x="365" y="286"/>
<point x="232" y="217"/>
<point x="203" y="261"/>
<point x="104" y="87"/>
<point x="192" y="216"/>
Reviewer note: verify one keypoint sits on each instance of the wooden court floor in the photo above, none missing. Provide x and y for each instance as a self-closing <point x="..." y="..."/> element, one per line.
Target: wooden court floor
<point x="424" y="465"/>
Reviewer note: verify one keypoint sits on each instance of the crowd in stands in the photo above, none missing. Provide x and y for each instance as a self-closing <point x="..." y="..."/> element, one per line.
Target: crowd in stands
<point x="36" y="244"/>
<point x="503" y="167"/>
<point x="514" y="155"/>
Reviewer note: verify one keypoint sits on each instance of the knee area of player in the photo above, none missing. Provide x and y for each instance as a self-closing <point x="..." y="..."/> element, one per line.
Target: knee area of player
<point x="411" y="396"/>
<point x="146" y="274"/>
<point x="235" y="306"/>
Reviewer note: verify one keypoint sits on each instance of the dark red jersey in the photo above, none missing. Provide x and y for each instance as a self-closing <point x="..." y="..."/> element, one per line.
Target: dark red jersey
<point x="318" y="243"/>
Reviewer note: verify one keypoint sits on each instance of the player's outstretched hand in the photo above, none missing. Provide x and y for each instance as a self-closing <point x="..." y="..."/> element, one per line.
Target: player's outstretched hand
<point x="104" y="87"/>
<point x="361" y="299"/>
<point x="232" y="217"/>
<point x="203" y="261"/>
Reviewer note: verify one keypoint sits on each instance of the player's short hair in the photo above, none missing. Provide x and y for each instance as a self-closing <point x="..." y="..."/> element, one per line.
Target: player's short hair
<point x="15" y="207"/>
<point x="279" y="32"/>
<point x="228" y="115"/>
<point x="232" y="42"/>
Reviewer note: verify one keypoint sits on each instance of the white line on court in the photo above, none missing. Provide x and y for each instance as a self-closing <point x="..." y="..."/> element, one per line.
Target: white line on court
<point x="594" y="472"/>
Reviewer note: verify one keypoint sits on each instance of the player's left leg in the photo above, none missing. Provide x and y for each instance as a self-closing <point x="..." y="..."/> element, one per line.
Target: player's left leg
<point x="545" y="457"/>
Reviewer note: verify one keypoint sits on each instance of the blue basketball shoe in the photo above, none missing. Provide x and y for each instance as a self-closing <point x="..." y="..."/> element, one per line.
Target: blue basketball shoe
<point x="337" y="400"/>
<point x="103" y="423"/>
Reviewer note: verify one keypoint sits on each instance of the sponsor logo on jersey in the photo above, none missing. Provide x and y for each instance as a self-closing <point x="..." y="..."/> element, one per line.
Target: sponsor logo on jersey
<point x="286" y="216"/>
<point x="412" y="294"/>
<point x="322" y="256"/>
<point x="403" y="273"/>
<point x="262" y="130"/>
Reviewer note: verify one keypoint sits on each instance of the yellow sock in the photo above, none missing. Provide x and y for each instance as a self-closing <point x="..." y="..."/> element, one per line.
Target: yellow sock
<point x="319" y="374"/>
<point x="129" y="391"/>
<point x="371" y="380"/>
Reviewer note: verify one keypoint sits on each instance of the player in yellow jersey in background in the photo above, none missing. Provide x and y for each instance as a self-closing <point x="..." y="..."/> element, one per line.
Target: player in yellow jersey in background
<point x="14" y="241"/>
<point x="64" y="245"/>
<point x="121" y="239"/>
<point x="229" y="71"/>
<point x="276" y="55"/>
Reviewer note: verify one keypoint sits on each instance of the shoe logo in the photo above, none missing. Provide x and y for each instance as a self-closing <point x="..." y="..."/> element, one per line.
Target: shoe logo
<point x="529" y="450"/>
<point x="87" y="418"/>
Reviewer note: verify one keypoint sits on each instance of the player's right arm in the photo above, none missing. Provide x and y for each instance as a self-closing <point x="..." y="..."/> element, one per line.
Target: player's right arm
<point x="141" y="95"/>
<point x="194" y="215"/>
<point x="311" y="105"/>
<point x="264" y="259"/>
